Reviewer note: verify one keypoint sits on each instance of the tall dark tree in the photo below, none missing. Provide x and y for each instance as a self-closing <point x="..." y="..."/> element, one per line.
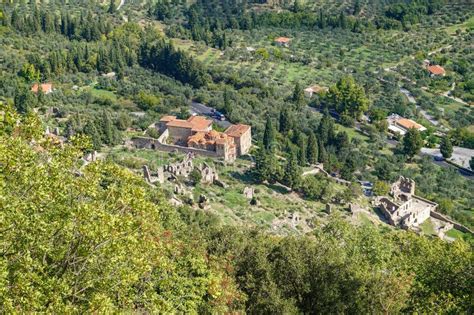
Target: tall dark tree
<point x="112" y="6"/>
<point x="292" y="174"/>
<point x="301" y="142"/>
<point x="24" y="101"/>
<point x="446" y="147"/>
<point x="326" y="129"/>
<point x="269" y="136"/>
<point x="286" y="122"/>
<point x="312" y="151"/>
<point x="298" y="97"/>
<point x="322" y="156"/>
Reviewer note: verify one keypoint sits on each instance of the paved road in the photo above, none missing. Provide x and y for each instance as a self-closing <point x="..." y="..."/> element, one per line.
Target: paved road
<point x="201" y="109"/>
<point x="424" y="113"/>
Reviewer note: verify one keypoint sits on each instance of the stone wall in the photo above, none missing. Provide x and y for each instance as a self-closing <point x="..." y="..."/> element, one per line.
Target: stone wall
<point x="456" y="225"/>
<point x="154" y="144"/>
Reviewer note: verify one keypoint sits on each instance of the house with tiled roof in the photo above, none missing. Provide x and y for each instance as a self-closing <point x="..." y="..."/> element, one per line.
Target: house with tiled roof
<point x="46" y="88"/>
<point x="282" y="41"/>
<point x="400" y="125"/>
<point x="436" y="70"/>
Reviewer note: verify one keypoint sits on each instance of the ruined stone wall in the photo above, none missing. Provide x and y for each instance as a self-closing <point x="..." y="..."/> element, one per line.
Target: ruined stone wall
<point x="154" y="144"/>
<point x="456" y="225"/>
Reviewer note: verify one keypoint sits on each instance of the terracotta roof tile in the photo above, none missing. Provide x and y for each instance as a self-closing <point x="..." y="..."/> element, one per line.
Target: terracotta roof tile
<point x="437" y="70"/>
<point x="45" y="87"/>
<point x="408" y="123"/>
<point x="282" y="40"/>
<point x="237" y="130"/>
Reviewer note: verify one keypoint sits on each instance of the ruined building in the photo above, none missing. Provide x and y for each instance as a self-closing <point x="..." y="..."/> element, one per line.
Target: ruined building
<point x="403" y="208"/>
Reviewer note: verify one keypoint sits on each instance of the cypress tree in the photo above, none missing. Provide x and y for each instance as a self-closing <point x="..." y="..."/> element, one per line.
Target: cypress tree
<point x="269" y="134"/>
<point x="285" y="121"/>
<point x="301" y="142"/>
<point x="446" y="148"/>
<point x="323" y="156"/>
<point x="312" y="151"/>
<point x="298" y="97"/>
<point x="292" y="175"/>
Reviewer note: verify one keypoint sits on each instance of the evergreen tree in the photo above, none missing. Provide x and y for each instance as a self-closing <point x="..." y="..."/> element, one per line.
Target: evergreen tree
<point x="269" y="136"/>
<point x="227" y="103"/>
<point x="301" y="142"/>
<point x="446" y="147"/>
<point x="312" y="150"/>
<point x="412" y="143"/>
<point x="24" y="101"/>
<point x="348" y="168"/>
<point x="286" y="123"/>
<point x="323" y="156"/>
<point x="357" y="7"/>
<point x="91" y="131"/>
<point x="112" y="7"/>
<point x="342" y="140"/>
<point x="298" y="97"/>
<point x="108" y="130"/>
<point x="326" y="128"/>
<point x="292" y="175"/>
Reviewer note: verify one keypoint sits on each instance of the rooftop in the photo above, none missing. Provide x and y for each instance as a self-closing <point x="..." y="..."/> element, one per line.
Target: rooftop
<point x="195" y="123"/>
<point x="437" y="70"/>
<point x="210" y="138"/>
<point x="408" y="123"/>
<point x="316" y="89"/>
<point x="237" y="130"/>
<point x="282" y="40"/>
<point x="45" y="87"/>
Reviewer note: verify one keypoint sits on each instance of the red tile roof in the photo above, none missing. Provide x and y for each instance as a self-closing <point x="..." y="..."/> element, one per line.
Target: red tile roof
<point x="436" y="70"/>
<point x="45" y="87"/>
<point x="237" y="130"/>
<point x="195" y="123"/>
<point x="282" y="40"/>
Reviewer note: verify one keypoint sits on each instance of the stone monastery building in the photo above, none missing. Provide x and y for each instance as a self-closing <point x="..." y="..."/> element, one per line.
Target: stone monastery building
<point x="196" y="132"/>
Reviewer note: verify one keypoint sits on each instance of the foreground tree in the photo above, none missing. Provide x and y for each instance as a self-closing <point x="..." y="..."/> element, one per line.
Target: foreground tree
<point x="90" y="239"/>
<point x="412" y="143"/>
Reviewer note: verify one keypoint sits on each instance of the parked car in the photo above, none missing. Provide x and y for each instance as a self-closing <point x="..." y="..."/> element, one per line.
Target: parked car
<point x="217" y="115"/>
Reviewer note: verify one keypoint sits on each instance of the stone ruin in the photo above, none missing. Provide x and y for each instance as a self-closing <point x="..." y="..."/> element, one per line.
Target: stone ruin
<point x="403" y="208"/>
<point x="173" y="171"/>
<point x="181" y="168"/>
<point x="249" y="192"/>
<point x="153" y="178"/>
<point x="208" y="173"/>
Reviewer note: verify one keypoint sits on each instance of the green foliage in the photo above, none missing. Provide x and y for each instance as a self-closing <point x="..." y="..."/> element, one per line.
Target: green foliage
<point x="412" y="143"/>
<point x="381" y="188"/>
<point x="30" y="73"/>
<point x="298" y="97"/>
<point x="94" y="242"/>
<point x="446" y="148"/>
<point x="292" y="173"/>
<point x="269" y="135"/>
<point x="195" y="176"/>
<point x="312" y="151"/>
<point x="347" y="97"/>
